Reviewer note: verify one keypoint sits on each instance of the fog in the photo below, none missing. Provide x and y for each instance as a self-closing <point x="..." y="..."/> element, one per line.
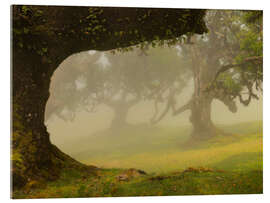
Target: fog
<point x="100" y="94"/>
<point x="65" y="133"/>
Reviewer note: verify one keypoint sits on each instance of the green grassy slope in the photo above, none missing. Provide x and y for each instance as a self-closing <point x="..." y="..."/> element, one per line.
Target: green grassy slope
<point x="229" y="164"/>
<point x="190" y="182"/>
<point x="162" y="149"/>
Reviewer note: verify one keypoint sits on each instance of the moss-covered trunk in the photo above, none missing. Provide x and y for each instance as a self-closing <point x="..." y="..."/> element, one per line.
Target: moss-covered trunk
<point x="33" y="157"/>
<point x="30" y="141"/>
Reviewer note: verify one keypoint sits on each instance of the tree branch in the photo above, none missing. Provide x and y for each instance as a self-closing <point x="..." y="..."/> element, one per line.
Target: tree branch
<point x="182" y="109"/>
<point x="167" y="108"/>
<point x="250" y="96"/>
<point x="170" y="104"/>
<point x="258" y="59"/>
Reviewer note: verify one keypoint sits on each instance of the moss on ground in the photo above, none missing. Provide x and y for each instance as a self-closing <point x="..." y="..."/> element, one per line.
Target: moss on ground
<point x="193" y="181"/>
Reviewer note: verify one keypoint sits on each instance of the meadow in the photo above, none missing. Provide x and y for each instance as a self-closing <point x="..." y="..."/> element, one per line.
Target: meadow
<point x="226" y="164"/>
<point x="164" y="149"/>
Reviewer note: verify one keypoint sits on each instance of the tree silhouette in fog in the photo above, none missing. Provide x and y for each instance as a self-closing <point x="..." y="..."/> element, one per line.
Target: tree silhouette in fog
<point x="119" y="80"/>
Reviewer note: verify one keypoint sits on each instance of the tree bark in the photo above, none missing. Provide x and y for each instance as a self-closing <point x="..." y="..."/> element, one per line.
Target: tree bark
<point x="200" y="118"/>
<point x="203" y="127"/>
<point x="33" y="155"/>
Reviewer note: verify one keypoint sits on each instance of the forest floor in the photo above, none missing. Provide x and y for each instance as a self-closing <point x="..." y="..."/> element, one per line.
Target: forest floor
<point x="230" y="164"/>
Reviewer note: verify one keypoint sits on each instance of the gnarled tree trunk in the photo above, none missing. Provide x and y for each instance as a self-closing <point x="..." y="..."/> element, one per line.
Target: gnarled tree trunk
<point x="121" y="108"/>
<point x="203" y="127"/>
<point x="33" y="157"/>
<point x="200" y="118"/>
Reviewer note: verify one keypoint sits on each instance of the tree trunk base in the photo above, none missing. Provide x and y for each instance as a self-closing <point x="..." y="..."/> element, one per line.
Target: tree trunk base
<point x="59" y="161"/>
<point x="197" y="138"/>
<point x="204" y="134"/>
<point x="116" y="125"/>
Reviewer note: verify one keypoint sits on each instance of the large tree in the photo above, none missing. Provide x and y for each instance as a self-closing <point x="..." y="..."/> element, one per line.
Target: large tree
<point x="42" y="37"/>
<point x="226" y="64"/>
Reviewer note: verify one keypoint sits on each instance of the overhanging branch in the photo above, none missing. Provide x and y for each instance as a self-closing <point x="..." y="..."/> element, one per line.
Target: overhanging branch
<point x="258" y="59"/>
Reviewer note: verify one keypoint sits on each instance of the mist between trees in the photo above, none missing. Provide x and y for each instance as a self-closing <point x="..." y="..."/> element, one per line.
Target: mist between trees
<point x="201" y="81"/>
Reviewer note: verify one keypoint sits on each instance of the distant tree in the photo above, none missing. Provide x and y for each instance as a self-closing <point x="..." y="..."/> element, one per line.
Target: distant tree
<point x="118" y="80"/>
<point x="226" y="65"/>
<point x="63" y="101"/>
<point x="115" y="80"/>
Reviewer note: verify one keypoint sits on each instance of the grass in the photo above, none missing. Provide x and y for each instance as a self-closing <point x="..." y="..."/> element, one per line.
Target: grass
<point x="229" y="164"/>
<point x="105" y="184"/>
<point x="161" y="149"/>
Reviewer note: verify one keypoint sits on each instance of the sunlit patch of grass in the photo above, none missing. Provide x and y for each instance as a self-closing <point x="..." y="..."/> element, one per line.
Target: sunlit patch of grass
<point x="243" y="161"/>
<point x="176" y="160"/>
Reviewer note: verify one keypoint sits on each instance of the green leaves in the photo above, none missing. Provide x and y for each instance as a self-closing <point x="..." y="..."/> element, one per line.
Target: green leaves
<point x="17" y="31"/>
<point x="168" y="32"/>
<point x="20" y="44"/>
<point x="25" y="9"/>
<point x="44" y="49"/>
<point x="25" y="30"/>
<point x="121" y="33"/>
